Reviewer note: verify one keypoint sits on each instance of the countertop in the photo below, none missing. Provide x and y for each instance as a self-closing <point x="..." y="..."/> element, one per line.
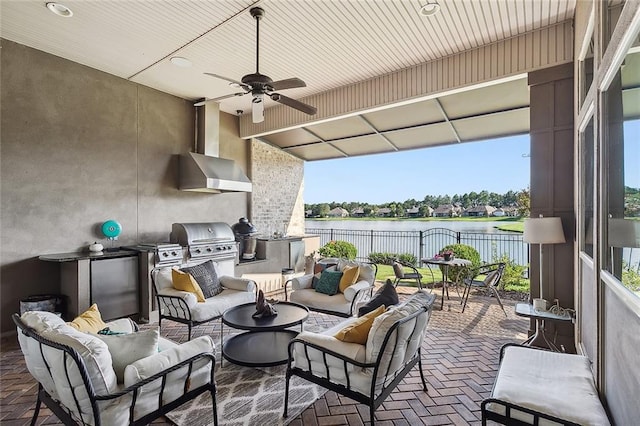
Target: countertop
<point x="72" y="257"/>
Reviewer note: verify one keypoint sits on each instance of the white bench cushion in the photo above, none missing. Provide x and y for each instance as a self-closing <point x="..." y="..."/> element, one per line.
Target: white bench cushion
<point x="215" y="306"/>
<point x="557" y="384"/>
<point x="314" y="300"/>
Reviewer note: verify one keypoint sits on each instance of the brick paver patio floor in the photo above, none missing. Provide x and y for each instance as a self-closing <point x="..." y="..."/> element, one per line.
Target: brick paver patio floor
<point x="459" y="357"/>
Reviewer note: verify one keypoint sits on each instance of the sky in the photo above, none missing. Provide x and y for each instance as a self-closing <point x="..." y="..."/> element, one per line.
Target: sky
<point x="496" y="165"/>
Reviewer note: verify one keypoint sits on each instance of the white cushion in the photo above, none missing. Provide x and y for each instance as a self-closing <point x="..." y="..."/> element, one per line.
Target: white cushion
<point x="41" y="320"/>
<point x="304" y="281"/>
<point x="358" y="380"/>
<point x="367" y="273"/>
<point x="147" y="367"/>
<point x="189" y="298"/>
<point x="122" y="325"/>
<point x="312" y="299"/>
<point x="163" y="278"/>
<point x="126" y="349"/>
<point x="558" y="384"/>
<point x="238" y="284"/>
<point x="351" y="291"/>
<point x="215" y="306"/>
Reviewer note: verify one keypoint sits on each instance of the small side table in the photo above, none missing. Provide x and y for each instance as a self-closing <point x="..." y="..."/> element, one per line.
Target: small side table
<point x="539" y="338"/>
<point x="446" y="264"/>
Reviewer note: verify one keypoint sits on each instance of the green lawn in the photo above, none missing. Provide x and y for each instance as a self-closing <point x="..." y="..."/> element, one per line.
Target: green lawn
<point x="386" y="272"/>
<point x="512" y="227"/>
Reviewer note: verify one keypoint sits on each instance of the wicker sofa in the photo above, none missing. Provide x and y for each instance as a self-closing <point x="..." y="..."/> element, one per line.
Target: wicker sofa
<point x="369" y="372"/>
<point x="182" y="306"/>
<point x="78" y="382"/>
<point x="341" y="304"/>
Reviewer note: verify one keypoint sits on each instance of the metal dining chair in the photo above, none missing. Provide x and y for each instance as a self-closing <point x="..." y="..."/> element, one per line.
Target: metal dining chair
<point x="492" y="273"/>
<point x="405" y="271"/>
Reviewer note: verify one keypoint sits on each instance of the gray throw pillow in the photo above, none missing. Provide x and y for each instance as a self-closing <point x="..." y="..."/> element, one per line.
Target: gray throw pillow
<point x="329" y="282"/>
<point x="206" y="277"/>
<point x="386" y="295"/>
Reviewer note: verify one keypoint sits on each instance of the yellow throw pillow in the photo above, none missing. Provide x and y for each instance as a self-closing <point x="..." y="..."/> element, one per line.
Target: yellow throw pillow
<point x="358" y="331"/>
<point x="90" y="321"/>
<point x="349" y="276"/>
<point x="185" y="282"/>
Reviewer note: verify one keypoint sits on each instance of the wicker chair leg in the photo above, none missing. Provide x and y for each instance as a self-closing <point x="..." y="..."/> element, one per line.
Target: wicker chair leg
<point x="495" y="292"/>
<point x="215" y="410"/>
<point x="424" y="382"/>
<point x="38" y="403"/>
<point x="372" y="414"/>
<point x="189" y="334"/>
<point x="286" y="395"/>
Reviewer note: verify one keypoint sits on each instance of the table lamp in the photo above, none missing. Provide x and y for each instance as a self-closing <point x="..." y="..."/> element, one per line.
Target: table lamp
<point x="542" y="230"/>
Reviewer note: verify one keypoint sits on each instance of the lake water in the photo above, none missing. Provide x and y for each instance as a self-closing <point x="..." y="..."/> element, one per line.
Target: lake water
<point x="405" y="225"/>
<point x="403" y="236"/>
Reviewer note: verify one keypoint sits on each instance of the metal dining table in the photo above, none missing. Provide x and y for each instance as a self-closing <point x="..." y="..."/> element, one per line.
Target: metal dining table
<point x="446" y="264"/>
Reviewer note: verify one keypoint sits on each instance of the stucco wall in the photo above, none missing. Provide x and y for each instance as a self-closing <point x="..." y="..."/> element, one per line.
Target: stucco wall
<point x="276" y="200"/>
<point x="78" y="147"/>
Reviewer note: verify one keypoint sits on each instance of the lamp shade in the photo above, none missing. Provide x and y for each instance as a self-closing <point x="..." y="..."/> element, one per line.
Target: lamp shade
<point x="543" y="230"/>
<point x="624" y="232"/>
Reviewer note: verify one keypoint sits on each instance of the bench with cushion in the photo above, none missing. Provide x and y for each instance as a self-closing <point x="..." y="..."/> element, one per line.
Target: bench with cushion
<point x="536" y="386"/>
<point x="346" y="299"/>
<point x="187" y="306"/>
<point x="124" y="377"/>
<point x="364" y="358"/>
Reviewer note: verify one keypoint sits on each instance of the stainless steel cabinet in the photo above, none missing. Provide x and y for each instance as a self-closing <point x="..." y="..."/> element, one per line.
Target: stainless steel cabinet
<point x="114" y="286"/>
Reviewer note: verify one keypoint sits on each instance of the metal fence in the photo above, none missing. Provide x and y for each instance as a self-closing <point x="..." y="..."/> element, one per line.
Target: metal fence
<point x="423" y="244"/>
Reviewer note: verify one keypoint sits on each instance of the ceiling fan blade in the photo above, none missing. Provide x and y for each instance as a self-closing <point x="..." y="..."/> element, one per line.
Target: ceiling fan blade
<point x="257" y="108"/>
<point x="204" y="101"/>
<point x="300" y="106"/>
<point x="230" y="80"/>
<point x="289" y="83"/>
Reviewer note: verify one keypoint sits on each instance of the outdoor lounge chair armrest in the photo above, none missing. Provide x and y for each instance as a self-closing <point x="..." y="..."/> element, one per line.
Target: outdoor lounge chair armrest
<point x="239" y="284"/>
<point x="205" y="355"/>
<point x="353" y="290"/>
<point x="188" y="299"/>
<point x="328" y="352"/>
<point x="302" y="282"/>
<point x="122" y="325"/>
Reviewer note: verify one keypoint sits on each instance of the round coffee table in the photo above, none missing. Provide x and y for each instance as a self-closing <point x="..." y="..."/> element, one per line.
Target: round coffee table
<point x="266" y="341"/>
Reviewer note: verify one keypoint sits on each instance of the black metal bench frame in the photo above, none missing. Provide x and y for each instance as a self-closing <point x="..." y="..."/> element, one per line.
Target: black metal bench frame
<point x="64" y="414"/>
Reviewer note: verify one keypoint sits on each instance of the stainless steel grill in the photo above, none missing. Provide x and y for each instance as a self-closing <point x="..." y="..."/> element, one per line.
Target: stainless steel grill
<point x="208" y="240"/>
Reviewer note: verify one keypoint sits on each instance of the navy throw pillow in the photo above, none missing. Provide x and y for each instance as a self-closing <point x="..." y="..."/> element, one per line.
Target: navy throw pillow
<point x="329" y="282"/>
<point x="206" y="277"/>
<point x="386" y="295"/>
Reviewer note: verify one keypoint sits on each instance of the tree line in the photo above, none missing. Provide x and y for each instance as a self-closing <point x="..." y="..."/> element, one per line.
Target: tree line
<point x="517" y="199"/>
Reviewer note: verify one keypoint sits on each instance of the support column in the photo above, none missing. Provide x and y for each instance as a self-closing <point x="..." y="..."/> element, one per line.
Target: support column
<point x="552" y="160"/>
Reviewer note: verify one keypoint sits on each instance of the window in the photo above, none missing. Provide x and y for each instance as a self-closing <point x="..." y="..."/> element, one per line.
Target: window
<point x="622" y="147"/>
<point x="587" y="187"/>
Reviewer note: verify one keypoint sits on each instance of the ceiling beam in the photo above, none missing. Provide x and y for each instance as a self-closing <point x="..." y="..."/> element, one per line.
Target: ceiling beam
<point x="446" y="118"/>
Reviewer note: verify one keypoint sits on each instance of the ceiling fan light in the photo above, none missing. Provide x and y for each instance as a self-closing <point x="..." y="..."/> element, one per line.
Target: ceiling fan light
<point x="257" y="108"/>
<point x="59" y="9"/>
<point x="430" y="9"/>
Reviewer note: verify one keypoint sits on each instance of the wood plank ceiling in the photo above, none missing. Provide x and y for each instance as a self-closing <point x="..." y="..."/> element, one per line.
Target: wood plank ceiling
<point x="328" y="44"/>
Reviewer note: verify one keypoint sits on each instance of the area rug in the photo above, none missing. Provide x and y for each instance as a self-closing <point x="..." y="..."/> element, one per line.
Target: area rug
<point x="249" y="396"/>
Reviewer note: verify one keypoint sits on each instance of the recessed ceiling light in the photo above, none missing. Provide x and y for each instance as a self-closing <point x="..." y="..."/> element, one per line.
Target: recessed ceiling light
<point x="430" y="9"/>
<point x="180" y="61"/>
<point x="60" y="9"/>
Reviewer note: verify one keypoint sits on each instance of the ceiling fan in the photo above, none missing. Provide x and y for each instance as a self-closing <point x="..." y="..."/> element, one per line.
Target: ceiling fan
<point x="260" y="85"/>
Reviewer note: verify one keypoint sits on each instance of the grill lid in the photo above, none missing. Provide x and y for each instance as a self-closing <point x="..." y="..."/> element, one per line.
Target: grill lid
<point x="188" y="234"/>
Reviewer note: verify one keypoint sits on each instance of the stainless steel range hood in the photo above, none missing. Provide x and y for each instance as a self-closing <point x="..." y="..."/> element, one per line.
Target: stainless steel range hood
<point x="204" y="171"/>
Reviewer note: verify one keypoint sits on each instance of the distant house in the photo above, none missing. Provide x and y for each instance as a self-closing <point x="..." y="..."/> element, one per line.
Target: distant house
<point x="359" y="212"/>
<point x="384" y="212"/>
<point x="308" y="213"/>
<point x="429" y="211"/>
<point x="447" y="210"/>
<point x="510" y="211"/>
<point x="338" y="212"/>
<point x="480" y="211"/>
<point x="413" y="212"/>
<point x="499" y="212"/>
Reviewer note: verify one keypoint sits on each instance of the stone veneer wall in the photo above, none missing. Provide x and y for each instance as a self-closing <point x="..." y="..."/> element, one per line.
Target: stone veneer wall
<point x="278" y="184"/>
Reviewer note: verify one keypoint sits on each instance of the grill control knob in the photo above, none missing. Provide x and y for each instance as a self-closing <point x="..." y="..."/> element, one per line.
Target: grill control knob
<point x="173" y="253"/>
<point x="218" y="248"/>
<point x="209" y="249"/>
<point x="198" y="251"/>
<point x="165" y="254"/>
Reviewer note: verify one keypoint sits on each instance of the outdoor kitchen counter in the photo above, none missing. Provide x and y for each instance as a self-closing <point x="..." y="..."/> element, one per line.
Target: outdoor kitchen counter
<point x="109" y="279"/>
<point x="72" y="257"/>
